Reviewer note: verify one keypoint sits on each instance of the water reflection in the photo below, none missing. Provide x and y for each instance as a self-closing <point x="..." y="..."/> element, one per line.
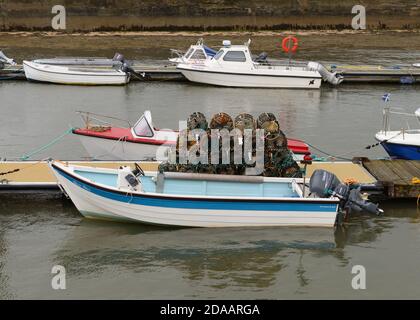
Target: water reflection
<point x="250" y="259"/>
<point x="246" y="257"/>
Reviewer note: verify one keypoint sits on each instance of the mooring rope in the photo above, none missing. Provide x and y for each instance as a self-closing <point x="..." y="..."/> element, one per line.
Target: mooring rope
<point x="331" y="156"/>
<point x="46" y="146"/>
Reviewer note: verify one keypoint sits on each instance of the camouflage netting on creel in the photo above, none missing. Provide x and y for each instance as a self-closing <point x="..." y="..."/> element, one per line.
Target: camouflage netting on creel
<point x="278" y="160"/>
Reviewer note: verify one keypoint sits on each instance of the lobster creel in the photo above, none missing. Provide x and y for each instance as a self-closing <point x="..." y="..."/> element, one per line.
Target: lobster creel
<point x="278" y="160"/>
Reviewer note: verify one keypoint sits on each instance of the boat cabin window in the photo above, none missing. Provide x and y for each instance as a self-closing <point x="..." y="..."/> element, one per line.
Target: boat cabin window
<point x="218" y="54"/>
<point x="142" y="128"/>
<point x="198" y="55"/>
<point x="236" y="56"/>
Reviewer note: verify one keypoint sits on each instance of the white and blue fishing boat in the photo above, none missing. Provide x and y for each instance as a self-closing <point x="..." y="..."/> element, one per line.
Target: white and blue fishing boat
<point x="403" y="143"/>
<point x="194" y="200"/>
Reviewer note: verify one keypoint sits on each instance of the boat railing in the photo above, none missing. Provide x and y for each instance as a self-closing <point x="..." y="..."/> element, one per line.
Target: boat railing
<point x="88" y="117"/>
<point x="177" y="52"/>
<point x="386" y="121"/>
<point x="278" y="65"/>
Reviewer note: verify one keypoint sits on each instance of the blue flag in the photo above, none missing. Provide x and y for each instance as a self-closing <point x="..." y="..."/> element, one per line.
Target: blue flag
<point x="386" y="97"/>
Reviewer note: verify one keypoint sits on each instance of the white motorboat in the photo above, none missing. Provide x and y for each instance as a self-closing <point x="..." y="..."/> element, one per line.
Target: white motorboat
<point x="74" y="75"/>
<point x="233" y="66"/>
<point x="197" y="53"/>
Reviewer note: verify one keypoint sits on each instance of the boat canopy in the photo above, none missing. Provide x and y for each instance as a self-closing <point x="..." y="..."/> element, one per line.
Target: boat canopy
<point x="209" y="51"/>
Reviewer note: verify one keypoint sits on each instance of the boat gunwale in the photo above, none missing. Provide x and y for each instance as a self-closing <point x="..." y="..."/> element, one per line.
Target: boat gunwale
<point x="135" y="140"/>
<point x="140" y="194"/>
<point x="395" y="141"/>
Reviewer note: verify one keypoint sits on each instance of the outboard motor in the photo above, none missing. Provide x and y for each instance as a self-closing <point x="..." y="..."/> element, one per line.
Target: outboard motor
<point x="126" y="67"/>
<point x="6" y="60"/>
<point x="118" y="57"/>
<point x="322" y="183"/>
<point x="325" y="184"/>
<point x="331" y="77"/>
<point x="355" y="203"/>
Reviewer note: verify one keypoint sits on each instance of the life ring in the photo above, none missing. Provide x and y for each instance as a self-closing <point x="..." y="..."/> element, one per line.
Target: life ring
<point x="285" y="44"/>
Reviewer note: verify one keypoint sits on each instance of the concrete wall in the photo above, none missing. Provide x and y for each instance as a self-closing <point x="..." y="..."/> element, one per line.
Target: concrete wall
<point x="207" y="14"/>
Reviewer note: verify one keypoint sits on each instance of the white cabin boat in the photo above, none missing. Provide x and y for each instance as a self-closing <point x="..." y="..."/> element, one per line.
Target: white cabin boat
<point x="74" y="75"/>
<point x="233" y="66"/>
<point x="193" y="200"/>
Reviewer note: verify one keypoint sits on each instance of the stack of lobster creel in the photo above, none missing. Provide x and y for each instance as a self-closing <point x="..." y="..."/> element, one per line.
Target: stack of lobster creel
<point x="278" y="160"/>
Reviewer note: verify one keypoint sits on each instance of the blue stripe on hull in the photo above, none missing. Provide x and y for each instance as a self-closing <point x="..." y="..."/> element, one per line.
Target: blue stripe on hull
<point x="245" y="205"/>
<point x="402" y="151"/>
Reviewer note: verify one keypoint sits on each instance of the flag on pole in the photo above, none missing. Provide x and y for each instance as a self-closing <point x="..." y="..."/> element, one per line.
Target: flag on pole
<point x="386" y="97"/>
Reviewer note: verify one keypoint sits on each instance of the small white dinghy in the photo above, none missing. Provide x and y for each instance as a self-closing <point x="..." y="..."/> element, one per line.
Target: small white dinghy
<point x="191" y="199"/>
<point x="74" y="75"/>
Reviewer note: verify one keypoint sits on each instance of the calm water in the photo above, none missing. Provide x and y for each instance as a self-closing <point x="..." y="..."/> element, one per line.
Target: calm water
<point x="111" y="260"/>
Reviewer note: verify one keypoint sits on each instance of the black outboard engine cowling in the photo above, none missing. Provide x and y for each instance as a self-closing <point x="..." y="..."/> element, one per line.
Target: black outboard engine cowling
<point x="323" y="183"/>
<point x="342" y="190"/>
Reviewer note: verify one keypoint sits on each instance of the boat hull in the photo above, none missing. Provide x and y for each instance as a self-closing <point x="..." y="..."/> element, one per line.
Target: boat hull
<point x="250" y="80"/>
<point x="401" y="144"/>
<point x="107" y="149"/>
<point x="94" y="201"/>
<point x="64" y="75"/>
<point x="402" y="151"/>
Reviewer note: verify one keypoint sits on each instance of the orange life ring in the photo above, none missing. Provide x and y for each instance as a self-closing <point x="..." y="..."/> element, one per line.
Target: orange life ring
<point x="285" y="44"/>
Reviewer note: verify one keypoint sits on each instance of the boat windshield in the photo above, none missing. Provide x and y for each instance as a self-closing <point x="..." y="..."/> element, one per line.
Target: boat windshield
<point x="142" y="128"/>
<point x="198" y="55"/>
<point x="218" y="54"/>
<point x="189" y="52"/>
<point x="235" y="56"/>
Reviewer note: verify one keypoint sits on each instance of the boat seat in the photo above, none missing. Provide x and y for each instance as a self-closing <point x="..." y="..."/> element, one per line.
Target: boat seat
<point x="262" y="58"/>
<point x="160" y="180"/>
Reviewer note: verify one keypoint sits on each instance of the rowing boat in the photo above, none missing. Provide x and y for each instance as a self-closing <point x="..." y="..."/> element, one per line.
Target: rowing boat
<point x="74" y="75"/>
